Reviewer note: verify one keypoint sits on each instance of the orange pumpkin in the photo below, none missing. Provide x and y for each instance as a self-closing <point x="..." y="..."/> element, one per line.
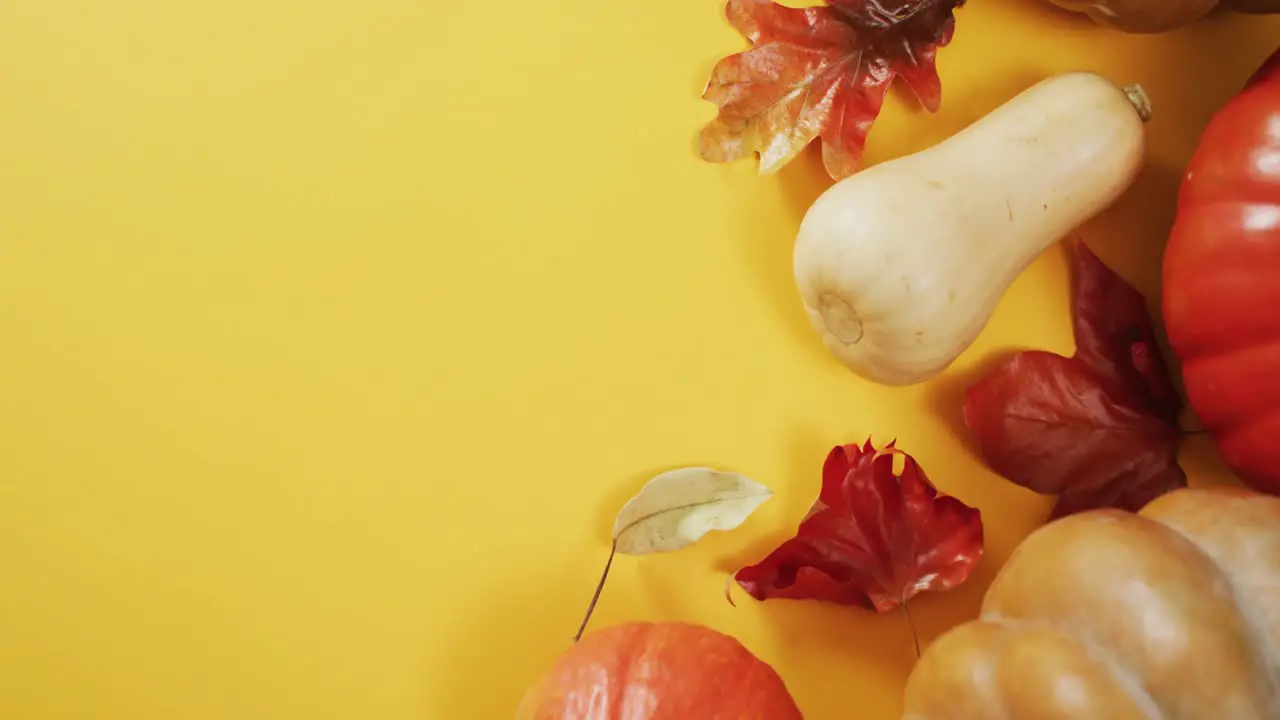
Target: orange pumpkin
<point x="1170" y="613"/>
<point x="659" y="671"/>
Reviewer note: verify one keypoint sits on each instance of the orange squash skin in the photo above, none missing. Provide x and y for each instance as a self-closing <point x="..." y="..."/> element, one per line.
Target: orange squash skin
<point x="659" y="671"/>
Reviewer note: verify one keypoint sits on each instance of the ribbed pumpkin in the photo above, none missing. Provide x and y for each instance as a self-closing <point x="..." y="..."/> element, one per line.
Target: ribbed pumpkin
<point x="1219" y="289"/>
<point x="658" y="671"/>
<point x="1171" y="613"/>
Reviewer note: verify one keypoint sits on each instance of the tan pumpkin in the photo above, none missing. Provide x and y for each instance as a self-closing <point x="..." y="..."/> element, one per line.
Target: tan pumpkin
<point x="1142" y="16"/>
<point x="1172" y="613"/>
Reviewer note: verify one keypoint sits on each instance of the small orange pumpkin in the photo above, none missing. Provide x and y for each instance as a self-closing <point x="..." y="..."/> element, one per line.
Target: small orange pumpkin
<point x="658" y="671"/>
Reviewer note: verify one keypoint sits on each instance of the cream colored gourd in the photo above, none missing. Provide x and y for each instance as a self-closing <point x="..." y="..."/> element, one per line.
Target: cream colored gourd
<point x="1169" y="614"/>
<point x="901" y="265"/>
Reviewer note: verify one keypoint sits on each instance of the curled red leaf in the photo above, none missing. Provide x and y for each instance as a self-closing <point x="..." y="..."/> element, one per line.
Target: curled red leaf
<point x="820" y="72"/>
<point x="1099" y="429"/>
<point x="874" y="538"/>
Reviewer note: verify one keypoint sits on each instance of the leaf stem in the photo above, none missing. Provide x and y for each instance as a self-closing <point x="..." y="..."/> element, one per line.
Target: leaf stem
<point x="599" y="587"/>
<point x="911" y="623"/>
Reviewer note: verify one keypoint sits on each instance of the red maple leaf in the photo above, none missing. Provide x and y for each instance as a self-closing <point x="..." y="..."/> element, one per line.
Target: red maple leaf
<point x="873" y="539"/>
<point x="820" y="72"/>
<point x="1099" y="429"/>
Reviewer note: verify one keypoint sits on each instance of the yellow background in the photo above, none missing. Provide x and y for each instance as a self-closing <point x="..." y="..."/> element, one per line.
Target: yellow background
<point x="334" y="332"/>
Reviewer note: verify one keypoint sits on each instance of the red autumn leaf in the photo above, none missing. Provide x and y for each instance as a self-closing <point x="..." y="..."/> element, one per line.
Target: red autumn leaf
<point x="820" y="72"/>
<point x="873" y="538"/>
<point x="1099" y="429"/>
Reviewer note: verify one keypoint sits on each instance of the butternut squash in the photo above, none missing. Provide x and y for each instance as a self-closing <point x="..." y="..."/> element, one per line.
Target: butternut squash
<point x="901" y="265"/>
<point x="1171" y="613"/>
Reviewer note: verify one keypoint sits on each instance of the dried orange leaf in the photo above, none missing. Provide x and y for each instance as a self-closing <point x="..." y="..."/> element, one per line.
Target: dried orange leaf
<point x="820" y="72"/>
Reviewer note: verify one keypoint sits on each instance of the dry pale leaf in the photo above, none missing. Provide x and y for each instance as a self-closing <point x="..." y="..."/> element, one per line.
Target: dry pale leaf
<point x="676" y="509"/>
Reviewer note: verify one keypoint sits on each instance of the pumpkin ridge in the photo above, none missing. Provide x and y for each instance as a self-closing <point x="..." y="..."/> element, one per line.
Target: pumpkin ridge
<point x="1126" y="677"/>
<point x="1240" y="413"/>
<point x="1266" y="653"/>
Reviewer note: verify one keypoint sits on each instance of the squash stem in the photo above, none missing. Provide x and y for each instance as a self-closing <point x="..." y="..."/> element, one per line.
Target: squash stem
<point x="1141" y="101"/>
